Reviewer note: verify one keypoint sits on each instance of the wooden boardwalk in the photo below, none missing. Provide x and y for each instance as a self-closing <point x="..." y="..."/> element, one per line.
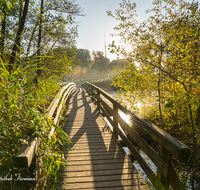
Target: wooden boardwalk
<point x="97" y="161"/>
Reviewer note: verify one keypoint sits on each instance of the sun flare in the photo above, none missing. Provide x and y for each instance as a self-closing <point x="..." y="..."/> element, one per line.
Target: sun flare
<point x="128" y="48"/>
<point x="125" y="117"/>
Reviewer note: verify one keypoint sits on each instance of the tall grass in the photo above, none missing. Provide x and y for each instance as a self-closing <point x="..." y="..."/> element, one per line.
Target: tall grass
<point x="22" y="114"/>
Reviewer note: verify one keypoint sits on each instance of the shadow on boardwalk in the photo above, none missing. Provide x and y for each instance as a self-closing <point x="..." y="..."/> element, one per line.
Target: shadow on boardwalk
<point x="96" y="160"/>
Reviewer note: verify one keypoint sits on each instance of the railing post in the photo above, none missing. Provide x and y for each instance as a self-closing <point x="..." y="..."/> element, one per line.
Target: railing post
<point x="165" y="155"/>
<point x="98" y="103"/>
<point x="115" y="127"/>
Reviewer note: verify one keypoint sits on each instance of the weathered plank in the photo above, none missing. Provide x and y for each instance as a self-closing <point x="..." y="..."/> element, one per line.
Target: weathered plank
<point x="74" y="157"/>
<point x="95" y="158"/>
<point x="97" y="162"/>
<point x="82" y="154"/>
<point x="95" y="150"/>
<point x="99" y="172"/>
<point x="102" y="184"/>
<point x="128" y="176"/>
<point x="142" y="187"/>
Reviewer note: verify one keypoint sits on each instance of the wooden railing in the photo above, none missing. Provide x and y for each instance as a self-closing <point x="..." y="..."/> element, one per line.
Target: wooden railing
<point x="28" y="151"/>
<point x="158" y="145"/>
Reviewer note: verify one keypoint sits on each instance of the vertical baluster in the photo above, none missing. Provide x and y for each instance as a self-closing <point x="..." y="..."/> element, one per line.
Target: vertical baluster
<point x="98" y="103"/>
<point x="165" y="155"/>
<point x="115" y="120"/>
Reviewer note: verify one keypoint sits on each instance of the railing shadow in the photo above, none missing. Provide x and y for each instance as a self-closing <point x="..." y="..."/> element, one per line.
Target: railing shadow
<point x="104" y="171"/>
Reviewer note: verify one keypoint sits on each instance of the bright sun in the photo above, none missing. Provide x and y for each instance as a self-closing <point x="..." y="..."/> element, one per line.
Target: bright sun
<point x="128" y="48"/>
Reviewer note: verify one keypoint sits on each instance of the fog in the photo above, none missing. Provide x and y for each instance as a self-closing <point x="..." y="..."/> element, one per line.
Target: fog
<point x="85" y="73"/>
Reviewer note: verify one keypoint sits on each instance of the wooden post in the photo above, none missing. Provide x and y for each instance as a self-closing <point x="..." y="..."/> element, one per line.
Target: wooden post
<point x="91" y="94"/>
<point x="115" y="127"/>
<point x="98" y="103"/>
<point x="165" y="155"/>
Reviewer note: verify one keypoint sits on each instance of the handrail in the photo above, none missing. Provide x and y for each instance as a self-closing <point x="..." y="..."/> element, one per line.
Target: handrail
<point x="143" y="133"/>
<point x="27" y="152"/>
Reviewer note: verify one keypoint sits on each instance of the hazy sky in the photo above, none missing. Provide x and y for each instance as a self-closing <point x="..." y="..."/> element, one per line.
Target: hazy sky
<point x="96" y="23"/>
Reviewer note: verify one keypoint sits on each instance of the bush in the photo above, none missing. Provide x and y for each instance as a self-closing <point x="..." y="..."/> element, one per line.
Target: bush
<point x="23" y="106"/>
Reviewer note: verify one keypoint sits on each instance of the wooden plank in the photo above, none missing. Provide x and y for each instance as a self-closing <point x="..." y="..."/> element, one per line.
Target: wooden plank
<point x="85" y="119"/>
<point x="83" y="129"/>
<point x="96" y="160"/>
<point x="72" y="157"/>
<point x="95" y="153"/>
<point x="95" y="140"/>
<point x="97" y="147"/>
<point x="83" y="113"/>
<point x="86" y="140"/>
<point x="74" y="151"/>
<point x="78" y="142"/>
<point x="99" y="133"/>
<point x="85" y="136"/>
<point x="99" y="172"/>
<point x="89" y="123"/>
<point x="87" y="128"/>
<point x="140" y="187"/>
<point x="99" y="167"/>
<point x="93" y="145"/>
<point x="84" y="125"/>
<point x="81" y="179"/>
<point x="102" y="184"/>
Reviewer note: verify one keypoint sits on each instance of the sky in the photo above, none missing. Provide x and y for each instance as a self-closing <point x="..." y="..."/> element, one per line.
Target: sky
<point x="96" y="24"/>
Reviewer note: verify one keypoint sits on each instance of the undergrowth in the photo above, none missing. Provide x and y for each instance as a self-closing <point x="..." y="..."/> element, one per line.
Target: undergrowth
<point x="23" y="107"/>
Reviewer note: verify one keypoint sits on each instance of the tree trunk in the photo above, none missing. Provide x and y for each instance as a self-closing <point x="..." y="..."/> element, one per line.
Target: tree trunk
<point x="3" y="32"/>
<point x="159" y="92"/>
<point x="16" y="45"/>
<point x="159" y="101"/>
<point x="31" y="38"/>
<point x="40" y="38"/>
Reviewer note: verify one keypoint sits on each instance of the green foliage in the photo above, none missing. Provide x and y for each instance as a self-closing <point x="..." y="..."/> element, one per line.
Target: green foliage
<point x="56" y="28"/>
<point x="84" y="56"/>
<point x="99" y="61"/>
<point x="23" y="107"/>
<point x="59" y="61"/>
<point x="165" y="48"/>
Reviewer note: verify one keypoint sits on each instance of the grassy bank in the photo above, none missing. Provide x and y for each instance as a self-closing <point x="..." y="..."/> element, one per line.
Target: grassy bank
<point x="23" y="114"/>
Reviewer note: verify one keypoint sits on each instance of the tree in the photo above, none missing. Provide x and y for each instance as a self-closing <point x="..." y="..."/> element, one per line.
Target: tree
<point x="16" y="45"/>
<point x="59" y="60"/>
<point x="84" y="56"/>
<point x="166" y="47"/>
<point x="3" y="27"/>
<point x="7" y="10"/>
<point x="33" y="29"/>
<point x="99" y="60"/>
<point x="65" y="11"/>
